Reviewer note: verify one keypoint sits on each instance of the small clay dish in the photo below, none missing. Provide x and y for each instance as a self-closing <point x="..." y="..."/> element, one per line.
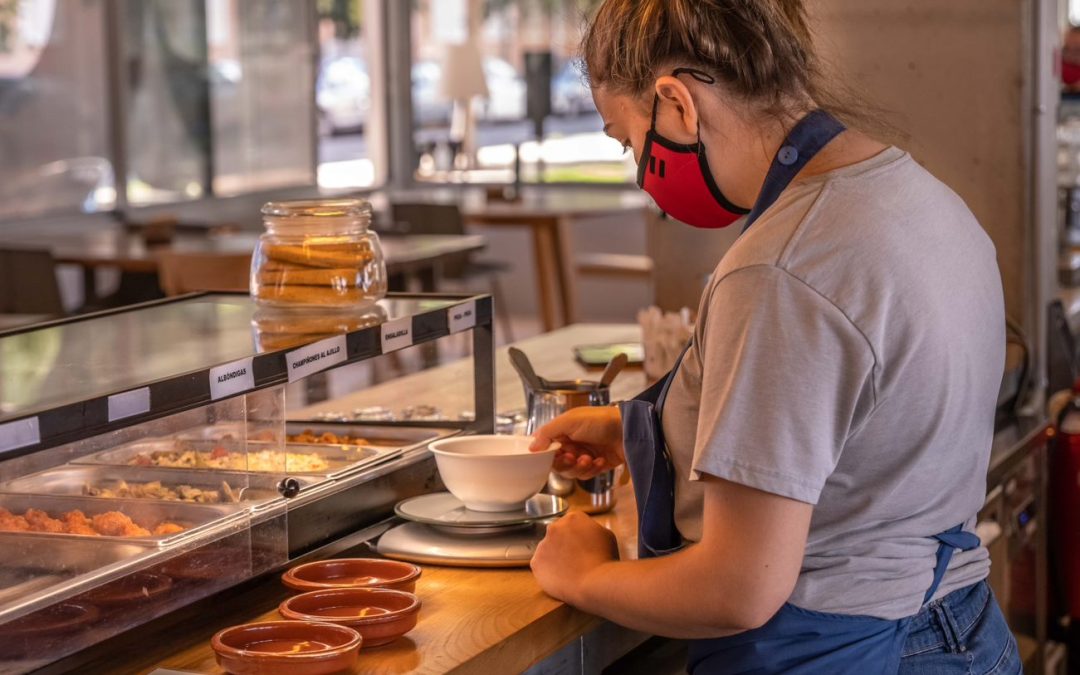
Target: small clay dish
<point x="379" y="615"/>
<point x="136" y="588"/>
<point x="286" y="648"/>
<point x="59" y="619"/>
<point x="353" y="573"/>
<point x="209" y="564"/>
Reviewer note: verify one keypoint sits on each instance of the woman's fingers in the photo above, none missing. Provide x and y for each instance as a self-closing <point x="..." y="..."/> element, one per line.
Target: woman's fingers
<point x="543" y="439"/>
<point x="582" y="466"/>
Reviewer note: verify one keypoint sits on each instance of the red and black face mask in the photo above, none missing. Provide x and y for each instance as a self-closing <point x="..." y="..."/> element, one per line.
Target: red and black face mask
<point x="678" y="178"/>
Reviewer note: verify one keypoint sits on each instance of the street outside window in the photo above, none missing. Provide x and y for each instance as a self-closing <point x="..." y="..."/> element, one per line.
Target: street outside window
<point x="344" y="95"/>
<point x="501" y="140"/>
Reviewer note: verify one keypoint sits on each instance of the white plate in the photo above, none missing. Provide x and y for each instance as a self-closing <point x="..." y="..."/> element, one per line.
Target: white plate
<point x="418" y="543"/>
<point x="444" y="509"/>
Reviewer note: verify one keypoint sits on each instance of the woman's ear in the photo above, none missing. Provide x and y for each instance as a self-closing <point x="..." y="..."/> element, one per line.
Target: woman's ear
<point x="678" y="115"/>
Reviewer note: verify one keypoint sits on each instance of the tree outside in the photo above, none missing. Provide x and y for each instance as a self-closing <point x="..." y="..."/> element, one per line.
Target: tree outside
<point x="9" y="15"/>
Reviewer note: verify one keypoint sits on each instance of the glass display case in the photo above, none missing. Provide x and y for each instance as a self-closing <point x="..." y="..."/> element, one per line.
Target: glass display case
<point x="148" y="461"/>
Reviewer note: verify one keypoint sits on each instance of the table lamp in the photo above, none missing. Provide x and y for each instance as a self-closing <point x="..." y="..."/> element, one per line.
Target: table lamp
<point x="462" y="80"/>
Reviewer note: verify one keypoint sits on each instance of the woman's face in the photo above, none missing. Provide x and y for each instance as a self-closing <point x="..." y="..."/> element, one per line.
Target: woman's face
<point x="626" y="119"/>
<point x="686" y="109"/>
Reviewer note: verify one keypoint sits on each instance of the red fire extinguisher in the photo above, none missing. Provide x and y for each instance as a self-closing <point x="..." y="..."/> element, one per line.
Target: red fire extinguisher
<point x="1064" y="527"/>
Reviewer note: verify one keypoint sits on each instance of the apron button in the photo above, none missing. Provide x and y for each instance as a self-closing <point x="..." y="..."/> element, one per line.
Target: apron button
<point x="788" y="155"/>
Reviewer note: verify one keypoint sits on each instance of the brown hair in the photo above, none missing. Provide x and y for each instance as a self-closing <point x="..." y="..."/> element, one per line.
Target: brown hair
<point x="761" y="51"/>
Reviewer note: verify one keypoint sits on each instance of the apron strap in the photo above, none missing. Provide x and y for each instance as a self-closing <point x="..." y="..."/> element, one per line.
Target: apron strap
<point x="669" y="378"/>
<point x="805" y="141"/>
<point x="949" y="542"/>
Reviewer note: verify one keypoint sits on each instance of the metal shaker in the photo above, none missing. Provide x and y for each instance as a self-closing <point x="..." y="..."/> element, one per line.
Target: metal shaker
<point x="546" y="400"/>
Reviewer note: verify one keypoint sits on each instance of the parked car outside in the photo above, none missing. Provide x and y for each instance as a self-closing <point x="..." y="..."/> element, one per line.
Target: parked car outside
<point x="506" y="102"/>
<point x="570" y="95"/>
<point x="429" y="107"/>
<point x="343" y="95"/>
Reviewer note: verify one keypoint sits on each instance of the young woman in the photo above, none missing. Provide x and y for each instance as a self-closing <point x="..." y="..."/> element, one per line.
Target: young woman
<point x="808" y="476"/>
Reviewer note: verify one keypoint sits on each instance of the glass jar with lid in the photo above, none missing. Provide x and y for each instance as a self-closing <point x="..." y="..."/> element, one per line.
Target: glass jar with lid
<point x="318" y="254"/>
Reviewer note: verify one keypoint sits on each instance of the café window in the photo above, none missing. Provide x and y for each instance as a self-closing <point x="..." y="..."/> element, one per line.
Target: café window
<point x="347" y="89"/>
<point x="53" y="109"/>
<point x="470" y="95"/>
<point x="219" y="98"/>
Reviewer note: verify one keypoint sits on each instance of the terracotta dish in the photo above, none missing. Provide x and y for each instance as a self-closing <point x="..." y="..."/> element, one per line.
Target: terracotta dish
<point x="379" y="615"/>
<point x="286" y="648"/>
<point x="209" y="564"/>
<point x="353" y="573"/>
<point x="56" y="620"/>
<point x="137" y="588"/>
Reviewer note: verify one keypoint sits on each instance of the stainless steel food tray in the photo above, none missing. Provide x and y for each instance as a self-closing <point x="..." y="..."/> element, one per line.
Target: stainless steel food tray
<point x="198" y="519"/>
<point x="237" y="430"/>
<point x="341" y="460"/>
<point x="381" y="436"/>
<point x="35" y="569"/>
<point x="253" y="490"/>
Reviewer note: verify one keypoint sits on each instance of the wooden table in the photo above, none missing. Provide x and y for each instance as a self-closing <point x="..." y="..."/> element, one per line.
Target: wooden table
<point x="473" y="620"/>
<point x="449" y="387"/>
<point x="9" y="321"/>
<point x="547" y="213"/>
<point x="112" y="247"/>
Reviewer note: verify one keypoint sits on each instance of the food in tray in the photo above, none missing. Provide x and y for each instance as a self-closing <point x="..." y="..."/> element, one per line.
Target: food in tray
<point x="220" y="458"/>
<point x="108" y="524"/>
<point x="330" y="438"/>
<point x="155" y="490"/>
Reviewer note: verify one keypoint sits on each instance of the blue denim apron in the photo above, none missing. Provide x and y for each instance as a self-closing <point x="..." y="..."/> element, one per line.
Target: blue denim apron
<point x="795" y="640"/>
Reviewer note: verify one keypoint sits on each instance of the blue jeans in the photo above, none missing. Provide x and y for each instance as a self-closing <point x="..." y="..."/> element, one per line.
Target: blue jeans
<point x="964" y="632"/>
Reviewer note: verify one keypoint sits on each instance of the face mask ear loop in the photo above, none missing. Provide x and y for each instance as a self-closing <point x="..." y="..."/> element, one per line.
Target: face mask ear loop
<point x="655" y="109"/>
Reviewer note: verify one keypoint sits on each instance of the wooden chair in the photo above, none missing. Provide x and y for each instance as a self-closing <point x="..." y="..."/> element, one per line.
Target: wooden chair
<point x="28" y="283"/>
<point x="685" y="258"/>
<point x="679" y="261"/>
<point x="621" y="265"/>
<point x="422" y="218"/>
<point x="180" y="273"/>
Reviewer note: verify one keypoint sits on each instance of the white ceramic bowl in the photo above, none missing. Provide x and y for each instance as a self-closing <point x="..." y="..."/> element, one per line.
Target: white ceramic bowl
<point x="492" y="473"/>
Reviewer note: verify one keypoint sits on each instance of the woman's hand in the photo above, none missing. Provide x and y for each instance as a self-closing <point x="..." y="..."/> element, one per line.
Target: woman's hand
<point x="574" y="546"/>
<point x="591" y="439"/>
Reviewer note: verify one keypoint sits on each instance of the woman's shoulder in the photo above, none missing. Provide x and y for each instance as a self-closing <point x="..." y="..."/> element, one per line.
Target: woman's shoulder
<point x="889" y="202"/>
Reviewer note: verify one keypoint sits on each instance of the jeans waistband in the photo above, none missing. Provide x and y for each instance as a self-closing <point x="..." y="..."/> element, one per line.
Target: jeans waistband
<point x="965" y="605"/>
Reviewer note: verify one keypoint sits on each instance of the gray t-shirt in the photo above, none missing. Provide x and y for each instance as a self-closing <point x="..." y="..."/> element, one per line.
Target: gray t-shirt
<point x="848" y="354"/>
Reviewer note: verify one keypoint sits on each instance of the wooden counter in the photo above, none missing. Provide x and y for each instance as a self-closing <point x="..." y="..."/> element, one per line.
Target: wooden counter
<point x="488" y="622"/>
<point x="450" y="386"/>
<point x="472" y="621"/>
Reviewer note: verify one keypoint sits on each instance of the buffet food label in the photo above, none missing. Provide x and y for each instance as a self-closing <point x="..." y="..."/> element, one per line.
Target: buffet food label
<point x="129" y="404"/>
<point x="463" y="316"/>
<point x="232" y="378"/>
<point x="317" y="357"/>
<point x="19" y="434"/>
<point x="397" y="334"/>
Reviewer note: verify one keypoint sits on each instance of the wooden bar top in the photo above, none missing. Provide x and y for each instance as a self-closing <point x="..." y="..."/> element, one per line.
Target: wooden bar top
<point x="449" y="387"/>
<point x="484" y="621"/>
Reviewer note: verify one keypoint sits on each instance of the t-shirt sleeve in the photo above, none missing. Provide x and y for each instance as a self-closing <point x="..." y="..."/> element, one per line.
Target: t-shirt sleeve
<point x="786" y="377"/>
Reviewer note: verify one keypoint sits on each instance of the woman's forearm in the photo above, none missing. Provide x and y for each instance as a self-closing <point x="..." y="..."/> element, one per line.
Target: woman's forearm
<point x="684" y="596"/>
<point x="735" y="579"/>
